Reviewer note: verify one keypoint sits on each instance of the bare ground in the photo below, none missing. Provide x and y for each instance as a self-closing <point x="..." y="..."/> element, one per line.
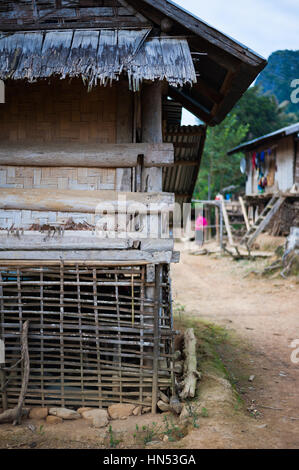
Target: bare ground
<point x="262" y="315"/>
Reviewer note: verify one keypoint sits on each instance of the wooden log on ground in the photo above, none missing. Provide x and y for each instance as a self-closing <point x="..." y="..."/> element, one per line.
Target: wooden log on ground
<point x="191" y="375"/>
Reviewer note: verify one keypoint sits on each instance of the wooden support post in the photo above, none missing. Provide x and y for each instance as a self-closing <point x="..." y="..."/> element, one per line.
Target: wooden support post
<point x="221" y="226"/>
<point x="151" y="110"/>
<point x="3" y="389"/>
<point x="3" y="375"/>
<point x="244" y="212"/>
<point x="217" y="223"/>
<point x="152" y="131"/>
<point x="156" y="350"/>
<point x="226" y="221"/>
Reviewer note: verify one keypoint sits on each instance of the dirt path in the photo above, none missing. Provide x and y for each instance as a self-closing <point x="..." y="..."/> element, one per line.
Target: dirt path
<point x="264" y="315"/>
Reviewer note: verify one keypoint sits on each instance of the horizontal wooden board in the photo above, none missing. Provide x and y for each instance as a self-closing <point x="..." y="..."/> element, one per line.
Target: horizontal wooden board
<point x="82" y="201"/>
<point x="82" y="241"/>
<point x="88" y="156"/>
<point x="90" y="255"/>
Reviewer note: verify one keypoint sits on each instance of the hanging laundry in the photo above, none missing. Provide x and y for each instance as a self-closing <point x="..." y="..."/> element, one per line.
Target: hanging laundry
<point x="253" y="160"/>
<point x="257" y="160"/>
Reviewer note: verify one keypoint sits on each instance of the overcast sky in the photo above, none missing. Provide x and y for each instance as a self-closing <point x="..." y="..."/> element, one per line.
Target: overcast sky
<point x="262" y="25"/>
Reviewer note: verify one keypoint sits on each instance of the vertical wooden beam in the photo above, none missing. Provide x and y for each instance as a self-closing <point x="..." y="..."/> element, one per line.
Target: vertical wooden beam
<point x="61" y="328"/>
<point x="156" y="351"/>
<point x="226" y="221"/>
<point x="151" y="113"/>
<point x="244" y="212"/>
<point x="151" y="102"/>
<point x="124" y="131"/>
<point x="2" y="353"/>
<point x="3" y="375"/>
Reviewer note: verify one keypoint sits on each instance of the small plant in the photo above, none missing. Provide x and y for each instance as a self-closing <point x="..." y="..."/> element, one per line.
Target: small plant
<point x="204" y="412"/>
<point x="113" y="443"/>
<point x="147" y="433"/>
<point x="173" y="431"/>
<point x="150" y="433"/>
<point x="41" y="430"/>
<point x="193" y="415"/>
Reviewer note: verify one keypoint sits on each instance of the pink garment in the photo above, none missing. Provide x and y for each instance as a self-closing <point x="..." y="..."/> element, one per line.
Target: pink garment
<point x="200" y="222"/>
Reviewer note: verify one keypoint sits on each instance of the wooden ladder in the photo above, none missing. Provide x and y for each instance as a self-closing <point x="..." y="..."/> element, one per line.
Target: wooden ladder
<point x="263" y="220"/>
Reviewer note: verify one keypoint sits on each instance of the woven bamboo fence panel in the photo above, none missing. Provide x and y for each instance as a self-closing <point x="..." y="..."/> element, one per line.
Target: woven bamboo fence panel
<point x="91" y="335"/>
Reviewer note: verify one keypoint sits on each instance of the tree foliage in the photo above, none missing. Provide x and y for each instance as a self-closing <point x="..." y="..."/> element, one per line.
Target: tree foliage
<point x="223" y="170"/>
<point x="262" y="113"/>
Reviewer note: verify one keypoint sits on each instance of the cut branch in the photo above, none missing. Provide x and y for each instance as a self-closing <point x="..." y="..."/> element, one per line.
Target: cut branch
<point x="190" y="367"/>
<point x="15" y="415"/>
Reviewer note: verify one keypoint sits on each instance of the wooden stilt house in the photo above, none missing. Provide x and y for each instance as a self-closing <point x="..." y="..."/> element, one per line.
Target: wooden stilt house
<point x="85" y="131"/>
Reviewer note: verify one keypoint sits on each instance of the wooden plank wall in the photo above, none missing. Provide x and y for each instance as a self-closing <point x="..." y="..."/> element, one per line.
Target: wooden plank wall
<point x="297" y="163"/>
<point x="40" y="14"/>
<point x="284" y="175"/>
<point x="59" y="112"/>
<point x="285" y="163"/>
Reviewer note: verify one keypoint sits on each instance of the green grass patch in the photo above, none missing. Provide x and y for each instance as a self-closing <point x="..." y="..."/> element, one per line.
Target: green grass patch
<point x="212" y="340"/>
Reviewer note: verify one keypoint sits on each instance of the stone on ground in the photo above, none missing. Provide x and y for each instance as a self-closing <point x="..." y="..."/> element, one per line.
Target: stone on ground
<point x="84" y="408"/>
<point x="137" y="411"/>
<point x="98" y="417"/>
<point x="121" y="410"/>
<point x="53" y="420"/>
<point x="64" y="413"/>
<point x="146" y="409"/>
<point x="38" y="413"/>
<point x="163" y="406"/>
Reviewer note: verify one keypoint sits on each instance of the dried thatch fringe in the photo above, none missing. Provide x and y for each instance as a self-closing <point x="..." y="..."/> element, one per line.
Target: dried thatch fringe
<point x="96" y="56"/>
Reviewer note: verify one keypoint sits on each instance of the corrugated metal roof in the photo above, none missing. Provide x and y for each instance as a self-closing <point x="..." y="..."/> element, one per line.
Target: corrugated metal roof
<point x="188" y="142"/>
<point x="284" y="132"/>
<point x="98" y="56"/>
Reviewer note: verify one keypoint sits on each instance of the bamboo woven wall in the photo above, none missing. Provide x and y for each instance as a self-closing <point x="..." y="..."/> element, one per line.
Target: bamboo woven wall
<point x="62" y="112"/>
<point x="57" y="178"/>
<point x="94" y="336"/>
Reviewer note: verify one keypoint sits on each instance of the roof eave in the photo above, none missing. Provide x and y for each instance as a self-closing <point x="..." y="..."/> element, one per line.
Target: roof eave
<point x="255" y="143"/>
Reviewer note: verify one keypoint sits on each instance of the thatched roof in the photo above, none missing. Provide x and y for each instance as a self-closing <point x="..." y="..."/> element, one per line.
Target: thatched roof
<point x="97" y="56"/>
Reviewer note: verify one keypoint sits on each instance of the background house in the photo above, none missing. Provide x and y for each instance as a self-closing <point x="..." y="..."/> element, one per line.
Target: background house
<point x="273" y="159"/>
<point x="278" y="156"/>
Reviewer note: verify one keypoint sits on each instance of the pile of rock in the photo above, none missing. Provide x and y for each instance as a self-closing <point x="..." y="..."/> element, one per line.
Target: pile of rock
<point x="98" y="417"/>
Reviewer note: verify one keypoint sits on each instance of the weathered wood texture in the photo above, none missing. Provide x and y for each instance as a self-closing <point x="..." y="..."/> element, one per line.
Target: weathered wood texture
<point x="83" y="201"/>
<point x="151" y="107"/>
<point x="157" y="257"/>
<point x="15" y="15"/>
<point x="191" y="373"/>
<point x="88" y="156"/>
<point x="100" y="56"/>
<point x="26" y="372"/>
<point x="76" y="240"/>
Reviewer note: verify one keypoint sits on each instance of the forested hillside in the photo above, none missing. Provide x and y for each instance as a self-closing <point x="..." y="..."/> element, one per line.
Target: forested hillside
<point x="276" y="78"/>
